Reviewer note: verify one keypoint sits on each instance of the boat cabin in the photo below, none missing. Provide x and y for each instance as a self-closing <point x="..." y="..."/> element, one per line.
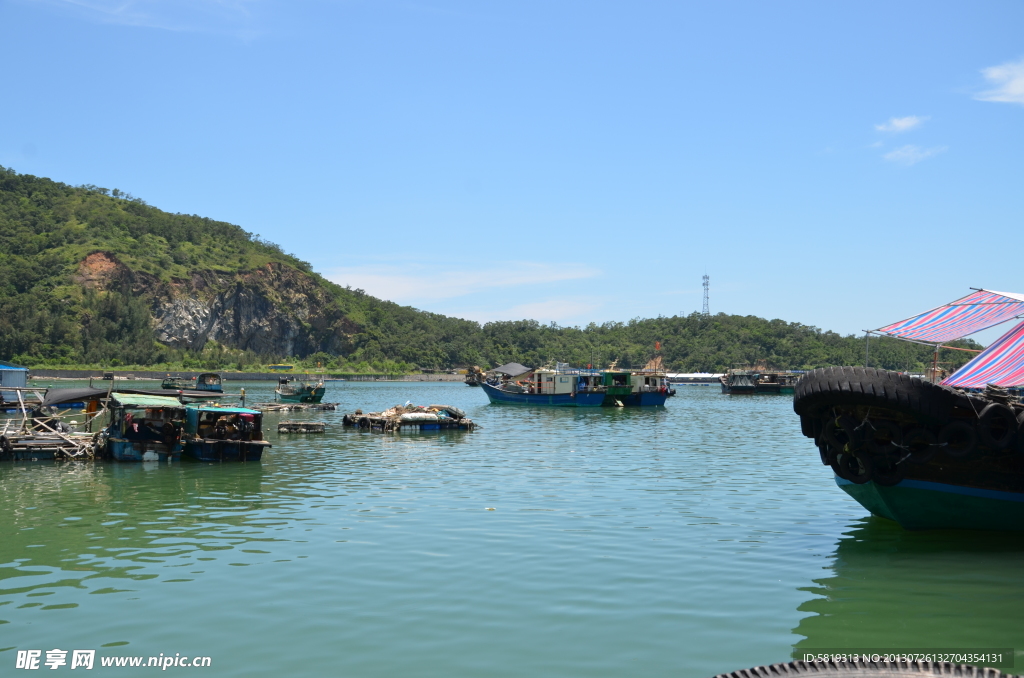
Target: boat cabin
<point x="144" y="427"/>
<point x="223" y="423"/>
<point x="209" y="382"/>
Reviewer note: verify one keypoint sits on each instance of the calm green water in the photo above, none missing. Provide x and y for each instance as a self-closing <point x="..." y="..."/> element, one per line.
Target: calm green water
<point x="686" y="541"/>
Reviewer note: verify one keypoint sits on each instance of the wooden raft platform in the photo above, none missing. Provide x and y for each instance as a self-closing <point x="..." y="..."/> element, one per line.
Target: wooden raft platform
<point x="411" y="418"/>
<point x="301" y="427"/>
<point x="295" y="407"/>
<point x="38" y="445"/>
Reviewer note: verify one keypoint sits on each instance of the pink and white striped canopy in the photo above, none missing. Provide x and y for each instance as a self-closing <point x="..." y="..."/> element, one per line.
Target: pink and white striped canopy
<point x="973" y="313"/>
<point x="1002" y="363"/>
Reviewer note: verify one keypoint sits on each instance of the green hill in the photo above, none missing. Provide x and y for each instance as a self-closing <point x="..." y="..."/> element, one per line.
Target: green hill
<point x="94" y="277"/>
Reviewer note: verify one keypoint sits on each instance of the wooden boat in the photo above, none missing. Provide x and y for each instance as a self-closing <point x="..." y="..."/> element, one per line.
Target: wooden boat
<point x="293" y="391"/>
<point x="637" y="388"/>
<point x="143" y="428"/>
<point x="921" y="453"/>
<point x="749" y="381"/>
<point x="207" y="382"/>
<point x="475" y="376"/>
<point x="561" y="386"/>
<point x="214" y="433"/>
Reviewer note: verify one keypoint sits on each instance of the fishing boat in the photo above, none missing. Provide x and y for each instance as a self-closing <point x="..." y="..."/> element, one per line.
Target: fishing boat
<point x="640" y="388"/>
<point x="561" y="386"/>
<point x="207" y="382"/>
<point x="929" y="455"/>
<point x="143" y="428"/>
<point x="294" y="391"/>
<point x="475" y="376"/>
<point x="213" y="433"/>
<point x="750" y="381"/>
<point x="176" y="383"/>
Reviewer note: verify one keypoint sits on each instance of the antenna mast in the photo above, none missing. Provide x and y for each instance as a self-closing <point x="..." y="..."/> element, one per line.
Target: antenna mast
<point x="707" y="311"/>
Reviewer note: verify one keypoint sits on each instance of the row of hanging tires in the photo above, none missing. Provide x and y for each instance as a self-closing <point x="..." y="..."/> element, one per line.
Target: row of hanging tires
<point x="870" y="424"/>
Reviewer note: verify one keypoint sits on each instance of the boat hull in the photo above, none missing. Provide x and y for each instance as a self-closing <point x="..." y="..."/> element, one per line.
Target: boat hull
<point x="311" y="396"/>
<point x="738" y="390"/>
<point x="120" y="449"/>
<point x="203" y="449"/>
<point x="925" y="505"/>
<point x="636" y="400"/>
<point x="561" y="400"/>
<point x="917" y="453"/>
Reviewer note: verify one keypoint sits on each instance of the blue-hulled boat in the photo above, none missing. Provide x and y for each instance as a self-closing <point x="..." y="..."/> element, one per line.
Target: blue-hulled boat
<point x="560" y="387"/>
<point x="635" y="388"/>
<point x="144" y="428"/>
<point x="223" y="433"/>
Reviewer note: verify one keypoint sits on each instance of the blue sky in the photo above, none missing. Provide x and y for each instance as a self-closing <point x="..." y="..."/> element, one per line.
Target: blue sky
<point x="842" y="165"/>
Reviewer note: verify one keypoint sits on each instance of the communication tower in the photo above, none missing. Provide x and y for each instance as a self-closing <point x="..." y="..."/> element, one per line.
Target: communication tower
<point x="707" y="310"/>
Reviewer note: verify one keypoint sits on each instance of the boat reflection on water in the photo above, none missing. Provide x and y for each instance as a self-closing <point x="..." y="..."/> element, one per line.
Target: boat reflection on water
<point x="893" y="588"/>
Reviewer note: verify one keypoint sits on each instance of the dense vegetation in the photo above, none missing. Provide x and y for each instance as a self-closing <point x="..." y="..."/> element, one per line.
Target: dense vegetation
<point x="47" y="319"/>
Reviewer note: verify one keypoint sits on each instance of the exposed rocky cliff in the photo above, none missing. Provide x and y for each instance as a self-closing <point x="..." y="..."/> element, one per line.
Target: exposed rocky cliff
<point x="273" y="310"/>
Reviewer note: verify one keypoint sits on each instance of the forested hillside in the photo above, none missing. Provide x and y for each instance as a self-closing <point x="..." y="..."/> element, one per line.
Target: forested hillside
<point x="95" y="277"/>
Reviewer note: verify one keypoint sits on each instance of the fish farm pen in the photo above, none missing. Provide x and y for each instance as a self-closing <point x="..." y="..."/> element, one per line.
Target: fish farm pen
<point x="412" y="418"/>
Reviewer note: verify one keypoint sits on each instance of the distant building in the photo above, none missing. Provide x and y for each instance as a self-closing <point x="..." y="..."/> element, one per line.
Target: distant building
<point x="12" y="375"/>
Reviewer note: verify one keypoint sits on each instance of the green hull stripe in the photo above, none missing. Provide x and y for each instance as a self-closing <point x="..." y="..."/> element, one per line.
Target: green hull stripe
<point x="921" y="505"/>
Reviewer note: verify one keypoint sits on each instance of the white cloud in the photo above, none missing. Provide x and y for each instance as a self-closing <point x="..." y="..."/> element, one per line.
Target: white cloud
<point x="911" y="155"/>
<point x="567" y="310"/>
<point x="901" y="124"/>
<point x="1009" y="81"/>
<point x="425" y="282"/>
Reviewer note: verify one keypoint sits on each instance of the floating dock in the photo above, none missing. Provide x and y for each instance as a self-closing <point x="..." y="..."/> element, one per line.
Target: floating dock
<point x="412" y="418"/>
<point x="301" y="427"/>
<point x="295" y="407"/>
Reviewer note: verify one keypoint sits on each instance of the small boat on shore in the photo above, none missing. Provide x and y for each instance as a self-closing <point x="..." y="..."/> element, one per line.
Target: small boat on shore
<point x="213" y="433"/>
<point x="295" y="391"/>
<point x="929" y="455"/>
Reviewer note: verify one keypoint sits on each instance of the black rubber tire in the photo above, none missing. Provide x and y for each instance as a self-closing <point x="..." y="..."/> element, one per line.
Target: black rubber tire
<point x="920" y="443"/>
<point x="826" y="387"/>
<point x="958" y="439"/>
<point x="879" y="669"/>
<point x="810" y="427"/>
<point x="1020" y="433"/>
<point x="823" y="452"/>
<point x="881" y="437"/>
<point x="841" y="432"/>
<point x="889" y="468"/>
<point x="857" y="467"/>
<point x="997" y="426"/>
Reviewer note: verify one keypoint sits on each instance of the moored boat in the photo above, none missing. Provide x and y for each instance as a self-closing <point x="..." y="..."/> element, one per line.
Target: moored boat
<point x="143" y="428"/>
<point x="561" y="386"/>
<point x="638" y="388"/>
<point x="748" y="381"/>
<point x="739" y="382"/>
<point x="214" y="433"/>
<point x="929" y="455"/>
<point x="475" y="376"/>
<point x="294" y="391"/>
<point x="176" y="383"/>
